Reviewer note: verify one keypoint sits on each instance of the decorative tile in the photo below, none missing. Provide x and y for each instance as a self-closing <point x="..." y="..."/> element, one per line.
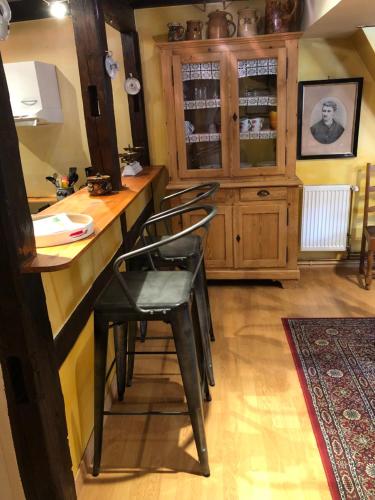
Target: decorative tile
<point x="214" y="137"/>
<point x="244" y="135"/>
<point x="215" y="74"/>
<point x="243" y="101"/>
<point x="254" y="135"/>
<point x="204" y="137"/>
<point x="201" y="104"/>
<point x="206" y="75"/>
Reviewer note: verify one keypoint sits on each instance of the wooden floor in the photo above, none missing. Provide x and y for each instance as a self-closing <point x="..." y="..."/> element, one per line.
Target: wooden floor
<point x="260" y="440"/>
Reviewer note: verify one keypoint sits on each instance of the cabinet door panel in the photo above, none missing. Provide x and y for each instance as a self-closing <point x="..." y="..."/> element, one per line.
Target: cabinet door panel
<point x="260" y="231"/>
<point x="201" y="101"/>
<point x="219" y="247"/>
<point x="258" y="111"/>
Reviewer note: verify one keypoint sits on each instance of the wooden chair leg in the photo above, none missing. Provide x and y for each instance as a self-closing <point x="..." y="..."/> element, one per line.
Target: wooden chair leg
<point x="100" y="358"/>
<point x="120" y="341"/>
<point x="362" y="255"/>
<point x="370" y="262"/>
<point x="132" y="333"/>
<point x="183" y="333"/>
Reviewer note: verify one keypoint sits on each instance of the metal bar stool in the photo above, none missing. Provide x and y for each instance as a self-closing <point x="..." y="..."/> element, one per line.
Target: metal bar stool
<point x="185" y="253"/>
<point x="153" y="296"/>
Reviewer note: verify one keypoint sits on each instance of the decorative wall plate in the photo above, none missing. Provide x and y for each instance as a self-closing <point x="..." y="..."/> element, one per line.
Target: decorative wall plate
<point x="132" y="85"/>
<point x="111" y="65"/>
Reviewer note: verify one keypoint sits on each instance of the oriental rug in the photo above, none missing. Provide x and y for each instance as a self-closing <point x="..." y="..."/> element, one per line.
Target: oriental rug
<point x="335" y="361"/>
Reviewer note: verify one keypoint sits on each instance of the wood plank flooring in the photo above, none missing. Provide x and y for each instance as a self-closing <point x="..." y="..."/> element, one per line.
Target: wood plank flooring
<point x="260" y="441"/>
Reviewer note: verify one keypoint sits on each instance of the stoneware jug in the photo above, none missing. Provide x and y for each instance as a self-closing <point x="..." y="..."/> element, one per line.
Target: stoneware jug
<point x="5" y="16"/>
<point x="279" y="15"/>
<point x="176" y="32"/>
<point x="193" y="29"/>
<point x="219" y="24"/>
<point x="247" y="22"/>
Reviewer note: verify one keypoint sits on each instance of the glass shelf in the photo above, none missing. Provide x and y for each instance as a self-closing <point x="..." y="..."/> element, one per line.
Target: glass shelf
<point x="258" y="101"/>
<point x="261" y="135"/>
<point x="190" y="139"/>
<point x="202" y="104"/>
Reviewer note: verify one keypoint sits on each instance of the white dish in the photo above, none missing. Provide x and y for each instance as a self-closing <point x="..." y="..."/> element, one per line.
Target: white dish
<point x="59" y="229"/>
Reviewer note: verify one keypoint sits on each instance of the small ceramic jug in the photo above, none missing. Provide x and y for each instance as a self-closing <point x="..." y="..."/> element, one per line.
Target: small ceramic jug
<point x="176" y="32"/>
<point x="194" y="29"/>
<point x="279" y="15"/>
<point x="218" y="24"/>
<point x="247" y="22"/>
<point x="5" y="17"/>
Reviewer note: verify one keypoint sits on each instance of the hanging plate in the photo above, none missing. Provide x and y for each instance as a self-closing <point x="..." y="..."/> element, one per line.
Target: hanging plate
<point x="132" y="85"/>
<point x="111" y="65"/>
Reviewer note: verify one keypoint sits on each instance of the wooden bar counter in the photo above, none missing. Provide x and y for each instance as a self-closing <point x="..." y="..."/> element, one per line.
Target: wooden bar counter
<point x="103" y="209"/>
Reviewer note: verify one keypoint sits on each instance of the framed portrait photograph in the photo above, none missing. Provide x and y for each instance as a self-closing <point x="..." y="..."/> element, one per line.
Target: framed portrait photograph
<point x="328" y="118"/>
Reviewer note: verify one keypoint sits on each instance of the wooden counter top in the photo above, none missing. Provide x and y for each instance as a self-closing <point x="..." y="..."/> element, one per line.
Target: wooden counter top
<point x="103" y="209"/>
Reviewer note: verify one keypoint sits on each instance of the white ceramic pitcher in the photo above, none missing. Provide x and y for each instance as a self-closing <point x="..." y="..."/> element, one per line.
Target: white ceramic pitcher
<point x="5" y="16"/>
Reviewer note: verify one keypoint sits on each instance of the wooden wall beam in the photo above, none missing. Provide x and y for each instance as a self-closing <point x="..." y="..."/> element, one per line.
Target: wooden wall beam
<point x="96" y="87"/>
<point x="137" y="112"/>
<point x="119" y="14"/>
<point x="31" y="379"/>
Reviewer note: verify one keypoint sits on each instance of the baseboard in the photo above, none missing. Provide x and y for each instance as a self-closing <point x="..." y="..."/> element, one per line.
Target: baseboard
<point x="352" y="261"/>
<point x="85" y="466"/>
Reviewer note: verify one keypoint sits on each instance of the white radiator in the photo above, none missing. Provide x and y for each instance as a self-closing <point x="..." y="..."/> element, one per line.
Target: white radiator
<point x="325" y="217"/>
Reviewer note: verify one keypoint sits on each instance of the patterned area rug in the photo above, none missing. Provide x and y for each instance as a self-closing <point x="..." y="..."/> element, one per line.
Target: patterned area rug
<point x="335" y="360"/>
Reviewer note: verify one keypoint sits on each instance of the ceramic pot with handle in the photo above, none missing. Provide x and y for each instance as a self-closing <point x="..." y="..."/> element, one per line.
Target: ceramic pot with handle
<point x="247" y="22"/>
<point x="279" y="15"/>
<point x="176" y="32"/>
<point x="193" y="29"/>
<point x="219" y="24"/>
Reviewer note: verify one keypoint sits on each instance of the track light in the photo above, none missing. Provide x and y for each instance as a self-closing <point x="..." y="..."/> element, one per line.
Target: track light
<point x="58" y="8"/>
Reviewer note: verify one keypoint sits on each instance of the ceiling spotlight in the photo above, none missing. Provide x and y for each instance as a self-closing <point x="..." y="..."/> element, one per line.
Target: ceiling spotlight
<point x="58" y="9"/>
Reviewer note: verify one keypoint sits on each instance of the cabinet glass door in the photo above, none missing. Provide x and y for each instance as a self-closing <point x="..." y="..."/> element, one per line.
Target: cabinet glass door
<point x="200" y="97"/>
<point x="258" y="85"/>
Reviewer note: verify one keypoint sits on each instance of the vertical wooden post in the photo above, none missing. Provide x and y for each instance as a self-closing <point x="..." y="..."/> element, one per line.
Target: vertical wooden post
<point x="91" y="45"/>
<point x="132" y="63"/>
<point x="32" y="385"/>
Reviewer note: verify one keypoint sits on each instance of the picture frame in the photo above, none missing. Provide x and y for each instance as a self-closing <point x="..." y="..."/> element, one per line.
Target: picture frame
<point x="328" y="118"/>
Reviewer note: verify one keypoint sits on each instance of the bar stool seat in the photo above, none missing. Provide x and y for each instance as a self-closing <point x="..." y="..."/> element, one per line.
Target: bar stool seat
<point x="149" y="290"/>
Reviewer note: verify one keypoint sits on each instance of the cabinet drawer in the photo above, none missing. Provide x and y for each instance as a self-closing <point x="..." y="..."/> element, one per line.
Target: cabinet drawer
<point x="263" y="193"/>
<point x="221" y="196"/>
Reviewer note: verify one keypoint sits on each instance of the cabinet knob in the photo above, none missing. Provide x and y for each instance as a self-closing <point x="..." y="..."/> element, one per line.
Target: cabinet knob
<point x="234" y="117"/>
<point x="263" y="193"/>
<point x="238" y="238"/>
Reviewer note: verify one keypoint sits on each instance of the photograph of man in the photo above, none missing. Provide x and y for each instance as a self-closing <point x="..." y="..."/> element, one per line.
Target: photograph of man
<point x="328" y="129"/>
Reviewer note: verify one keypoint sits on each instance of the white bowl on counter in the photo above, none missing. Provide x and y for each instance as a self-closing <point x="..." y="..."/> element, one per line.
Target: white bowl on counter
<point x="60" y="229"/>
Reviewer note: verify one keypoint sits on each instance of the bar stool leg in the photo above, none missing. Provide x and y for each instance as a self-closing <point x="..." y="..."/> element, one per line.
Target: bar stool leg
<point x="132" y="333"/>
<point x="204" y="319"/>
<point x="120" y="339"/>
<point x="143" y="330"/>
<point x="370" y="262"/>
<point x="201" y="359"/>
<point x="100" y="358"/>
<point x="183" y="333"/>
<point x="212" y="335"/>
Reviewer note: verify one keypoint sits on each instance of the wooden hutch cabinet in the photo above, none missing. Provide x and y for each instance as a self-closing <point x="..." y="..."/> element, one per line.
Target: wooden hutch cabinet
<point x="231" y="109"/>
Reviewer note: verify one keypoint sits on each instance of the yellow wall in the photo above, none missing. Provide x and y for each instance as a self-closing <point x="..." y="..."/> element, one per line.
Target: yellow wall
<point x="336" y="58"/>
<point x="55" y="148"/>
